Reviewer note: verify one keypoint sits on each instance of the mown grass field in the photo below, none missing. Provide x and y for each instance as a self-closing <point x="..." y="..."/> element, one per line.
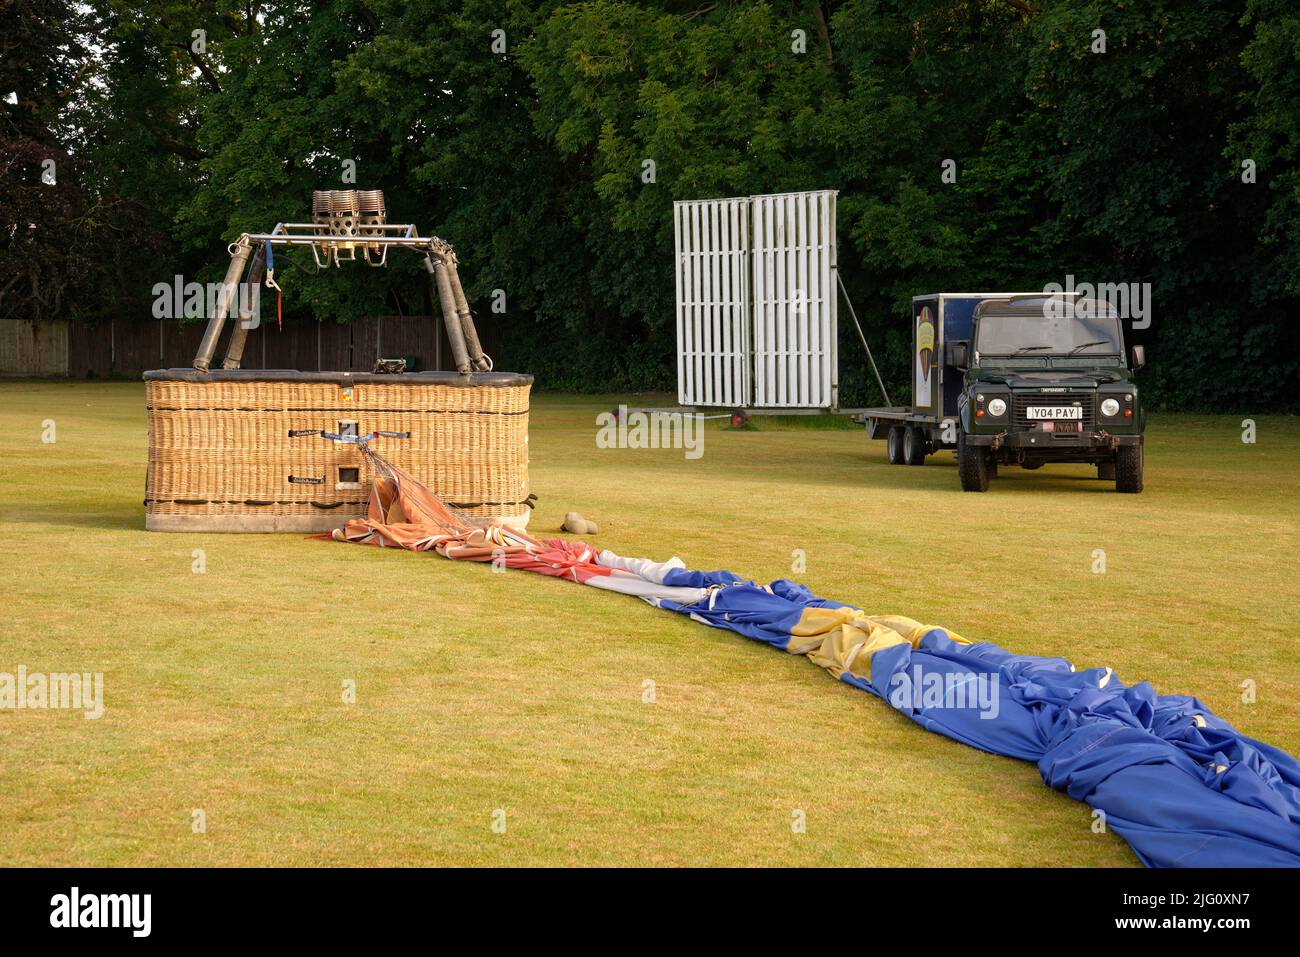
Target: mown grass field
<point x="477" y="691"/>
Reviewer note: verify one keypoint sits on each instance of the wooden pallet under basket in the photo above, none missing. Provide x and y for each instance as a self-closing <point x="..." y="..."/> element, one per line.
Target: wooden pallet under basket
<point x="243" y="451"/>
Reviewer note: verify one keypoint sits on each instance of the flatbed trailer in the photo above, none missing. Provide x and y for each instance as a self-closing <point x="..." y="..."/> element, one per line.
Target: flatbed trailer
<point x="885" y="416"/>
<point x="919" y="434"/>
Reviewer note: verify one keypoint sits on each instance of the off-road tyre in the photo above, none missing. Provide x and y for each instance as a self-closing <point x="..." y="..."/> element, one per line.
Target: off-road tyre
<point x="1128" y="468"/>
<point x="972" y="466"/>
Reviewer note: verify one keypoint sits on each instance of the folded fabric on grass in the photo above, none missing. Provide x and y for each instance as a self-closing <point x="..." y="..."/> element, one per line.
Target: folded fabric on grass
<point x="1182" y="786"/>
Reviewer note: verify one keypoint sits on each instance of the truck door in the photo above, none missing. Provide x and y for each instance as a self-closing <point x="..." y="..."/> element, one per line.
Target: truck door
<point x="958" y="316"/>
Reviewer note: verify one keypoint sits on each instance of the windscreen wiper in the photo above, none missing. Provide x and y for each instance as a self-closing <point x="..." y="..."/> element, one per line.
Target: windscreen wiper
<point x="1095" y="342"/>
<point x="1028" y="349"/>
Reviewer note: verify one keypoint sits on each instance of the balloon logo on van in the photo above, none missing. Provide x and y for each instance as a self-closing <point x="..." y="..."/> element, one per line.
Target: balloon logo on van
<point x="925" y="343"/>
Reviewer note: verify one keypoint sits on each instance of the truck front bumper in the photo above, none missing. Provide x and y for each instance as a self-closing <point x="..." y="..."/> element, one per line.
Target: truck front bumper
<point x="1034" y="440"/>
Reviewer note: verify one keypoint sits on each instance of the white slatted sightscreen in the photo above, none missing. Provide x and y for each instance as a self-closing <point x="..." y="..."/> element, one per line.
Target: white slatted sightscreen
<point x="756" y="301"/>
<point x="795" y="301"/>
<point x="713" y="347"/>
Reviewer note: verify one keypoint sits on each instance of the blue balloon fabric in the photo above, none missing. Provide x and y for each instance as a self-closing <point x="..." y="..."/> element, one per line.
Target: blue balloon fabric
<point x="1180" y="785"/>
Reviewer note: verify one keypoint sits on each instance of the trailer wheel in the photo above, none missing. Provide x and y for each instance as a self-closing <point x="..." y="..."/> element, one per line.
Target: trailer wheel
<point x="1106" y="471"/>
<point x="1128" y="468"/>
<point x="914" y="446"/>
<point x="894" y="445"/>
<point x="972" y="466"/>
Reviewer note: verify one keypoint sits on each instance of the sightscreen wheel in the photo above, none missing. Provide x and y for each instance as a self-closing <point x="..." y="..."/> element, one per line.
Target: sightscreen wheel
<point x="972" y="466"/>
<point x="894" y="445"/>
<point x="914" y="446"/>
<point x="1128" y="468"/>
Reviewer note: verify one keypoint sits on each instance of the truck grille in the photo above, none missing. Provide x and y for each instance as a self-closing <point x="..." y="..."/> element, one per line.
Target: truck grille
<point x="1022" y="401"/>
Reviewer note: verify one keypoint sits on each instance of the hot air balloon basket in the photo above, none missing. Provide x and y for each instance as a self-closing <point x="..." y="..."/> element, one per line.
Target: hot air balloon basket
<point x="267" y="451"/>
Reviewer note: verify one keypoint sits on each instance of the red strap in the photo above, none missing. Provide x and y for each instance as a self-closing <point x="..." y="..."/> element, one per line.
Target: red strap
<point x="279" y="309"/>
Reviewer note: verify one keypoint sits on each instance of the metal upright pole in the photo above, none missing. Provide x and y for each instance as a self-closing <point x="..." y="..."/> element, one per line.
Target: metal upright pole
<point x="450" y="317"/>
<point x="208" y="347"/>
<point x="472" y="346"/>
<point x="239" y="334"/>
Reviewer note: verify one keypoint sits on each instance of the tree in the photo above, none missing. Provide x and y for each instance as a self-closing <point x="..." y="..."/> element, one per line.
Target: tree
<point x="47" y="265"/>
<point x="975" y="144"/>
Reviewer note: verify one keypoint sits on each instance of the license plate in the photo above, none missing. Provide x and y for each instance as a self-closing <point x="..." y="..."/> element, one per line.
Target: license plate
<point x="1057" y="427"/>
<point x="1054" y="412"/>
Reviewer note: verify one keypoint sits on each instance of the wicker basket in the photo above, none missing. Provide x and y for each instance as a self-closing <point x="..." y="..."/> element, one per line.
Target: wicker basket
<point x="240" y="450"/>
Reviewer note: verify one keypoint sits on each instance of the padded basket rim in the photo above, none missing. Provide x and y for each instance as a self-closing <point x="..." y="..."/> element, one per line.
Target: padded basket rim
<point x="454" y="379"/>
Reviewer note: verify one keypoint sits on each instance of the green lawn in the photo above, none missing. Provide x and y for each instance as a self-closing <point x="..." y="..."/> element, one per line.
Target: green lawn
<point x="478" y="691"/>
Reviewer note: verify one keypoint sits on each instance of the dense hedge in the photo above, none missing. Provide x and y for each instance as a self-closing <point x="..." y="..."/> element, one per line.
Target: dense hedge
<point x="526" y="148"/>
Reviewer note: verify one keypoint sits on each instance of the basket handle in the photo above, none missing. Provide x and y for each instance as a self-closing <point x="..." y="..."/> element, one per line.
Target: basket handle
<point x="350" y="439"/>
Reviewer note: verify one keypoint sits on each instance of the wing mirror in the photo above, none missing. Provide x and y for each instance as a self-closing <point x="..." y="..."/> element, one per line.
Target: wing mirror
<point x="1139" y="356"/>
<point x="957" y="353"/>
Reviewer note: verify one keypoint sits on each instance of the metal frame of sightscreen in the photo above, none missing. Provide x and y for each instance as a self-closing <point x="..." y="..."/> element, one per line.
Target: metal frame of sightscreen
<point x="757" y="303"/>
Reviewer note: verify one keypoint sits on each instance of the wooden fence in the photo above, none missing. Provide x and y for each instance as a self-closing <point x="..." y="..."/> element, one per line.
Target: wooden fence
<point x="129" y="347"/>
<point x="33" y="348"/>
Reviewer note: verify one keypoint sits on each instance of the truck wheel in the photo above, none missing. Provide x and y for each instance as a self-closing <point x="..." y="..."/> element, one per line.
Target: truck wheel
<point x="1128" y="468"/>
<point x="1030" y="466"/>
<point x="972" y="466"/>
<point x="894" y="445"/>
<point x="914" y="446"/>
<point x="1106" y="471"/>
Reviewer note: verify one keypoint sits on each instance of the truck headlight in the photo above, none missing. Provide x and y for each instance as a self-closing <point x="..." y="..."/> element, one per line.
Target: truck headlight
<point x="1110" y="407"/>
<point x="997" y="407"/>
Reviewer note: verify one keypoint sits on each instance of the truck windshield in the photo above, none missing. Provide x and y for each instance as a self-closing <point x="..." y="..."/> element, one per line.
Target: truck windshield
<point x="1048" y="335"/>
